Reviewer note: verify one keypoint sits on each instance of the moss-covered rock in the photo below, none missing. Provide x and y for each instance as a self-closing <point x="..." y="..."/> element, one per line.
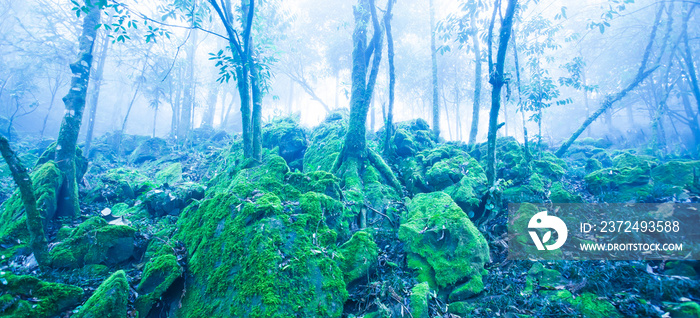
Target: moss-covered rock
<point x="326" y="141"/>
<point x="558" y="194"/>
<point x="419" y="300"/>
<point x="149" y="150"/>
<point x="628" y="179"/>
<point x="317" y="181"/>
<point x="120" y="185"/>
<point x="170" y="175"/>
<point x="159" y="273"/>
<point x="442" y="243"/>
<point x="49" y="154"/>
<point x="109" y="300"/>
<point x="360" y="255"/>
<point x="93" y="242"/>
<point x="539" y="276"/>
<point x="688" y="309"/>
<point x="29" y="297"/>
<point x="260" y="258"/>
<point x="290" y="139"/>
<point x="172" y="200"/>
<point x="675" y="176"/>
<point x="46" y="180"/>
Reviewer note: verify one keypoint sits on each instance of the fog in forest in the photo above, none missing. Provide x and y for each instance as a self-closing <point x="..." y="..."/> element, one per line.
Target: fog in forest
<point x="349" y="158"/>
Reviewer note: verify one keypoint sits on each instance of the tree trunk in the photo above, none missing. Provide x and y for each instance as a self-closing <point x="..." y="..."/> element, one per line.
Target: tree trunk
<point x="477" y="84"/>
<point x="210" y="112"/>
<point x="642" y="73"/>
<point x="497" y="80"/>
<point x="458" y="116"/>
<point x="688" y="58"/>
<point x="189" y="92"/>
<point x="95" y="96"/>
<point x="433" y="59"/>
<point x="75" y="104"/>
<point x="389" y="125"/>
<point x="257" y="113"/>
<point x="35" y="222"/>
<point x="54" y="91"/>
<point x="526" y="146"/>
<point x="692" y="116"/>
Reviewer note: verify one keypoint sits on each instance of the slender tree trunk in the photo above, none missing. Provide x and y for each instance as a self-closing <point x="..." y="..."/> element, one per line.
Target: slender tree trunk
<point x="389" y="125"/>
<point x="433" y="58"/>
<point x="257" y="113"/>
<point x="447" y="114"/>
<point x="35" y="222"/>
<point x="189" y="92"/>
<point x="642" y="73"/>
<point x="176" y="104"/>
<point x="458" y="116"/>
<point x="337" y="88"/>
<point x="585" y="99"/>
<point x="496" y="78"/>
<point x="290" y="101"/>
<point x="477" y="84"/>
<point x="75" y="104"/>
<point x="372" y="114"/>
<point x="95" y="96"/>
<point x="210" y="113"/>
<point x="688" y="57"/>
<point x="692" y="116"/>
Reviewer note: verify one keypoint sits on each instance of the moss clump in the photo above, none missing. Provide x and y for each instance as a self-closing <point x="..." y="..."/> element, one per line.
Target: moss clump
<point x="259" y="258"/>
<point x="317" y="181"/>
<point x="170" y="175"/>
<point x="438" y="234"/>
<point x="46" y="180"/>
<point x="549" y="166"/>
<point x="120" y="185"/>
<point x="676" y="176"/>
<point x="588" y="304"/>
<point x="419" y="300"/>
<point x="539" y="276"/>
<point x="109" y="300"/>
<point x="289" y="138"/>
<point x="628" y="179"/>
<point x="359" y="257"/>
<point x="93" y="242"/>
<point x="689" y="309"/>
<point x="560" y="195"/>
<point x="150" y="149"/>
<point x="159" y="273"/>
<point x="467" y="290"/>
<point x="326" y="142"/>
<point x="50" y="299"/>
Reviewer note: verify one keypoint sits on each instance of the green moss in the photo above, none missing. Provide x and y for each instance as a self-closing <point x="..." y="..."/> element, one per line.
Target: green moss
<point x="467" y="290"/>
<point x="359" y="257"/>
<point x="317" y="181"/>
<point x="539" y="276"/>
<point x="549" y="166"/>
<point x="592" y="164"/>
<point x="93" y="242"/>
<point x="689" y="309"/>
<point x="326" y="141"/>
<point x="159" y="273"/>
<point x="462" y="308"/>
<point x="419" y="300"/>
<point x="259" y="259"/>
<point x="171" y="175"/>
<point x="46" y="180"/>
<point x="628" y="179"/>
<point x="437" y="232"/>
<point x="50" y="298"/>
<point x="109" y="300"/>
<point x="560" y="195"/>
<point x="677" y="176"/>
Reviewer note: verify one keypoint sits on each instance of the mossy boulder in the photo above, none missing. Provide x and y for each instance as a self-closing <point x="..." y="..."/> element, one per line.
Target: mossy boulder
<point x="94" y="242"/>
<point x="120" y="185"/>
<point x="441" y="242"/>
<point x="289" y="138"/>
<point x="326" y="141"/>
<point x="688" y="309"/>
<point x="541" y="277"/>
<point x="675" y="176"/>
<point x="29" y="297"/>
<point x="109" y="300"/>
<point x="257" y="257"/>
<point x="419" y="300"/>
<point x="171" y="175"/>
<point x="317" y="181"/>
<point x="159" y="273"/>
<point x="49" y="154"/>
<point x="46" y="180"/>
<point x="558" y="194"/>
<point x="149" y="150"/>
<point x="360" y="257"/>
<point x="628" y="179"/>
<point x="172" y="200"/>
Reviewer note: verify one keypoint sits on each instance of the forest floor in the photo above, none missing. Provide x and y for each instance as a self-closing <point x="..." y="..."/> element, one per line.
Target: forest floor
<point x="194" y="230"/>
